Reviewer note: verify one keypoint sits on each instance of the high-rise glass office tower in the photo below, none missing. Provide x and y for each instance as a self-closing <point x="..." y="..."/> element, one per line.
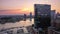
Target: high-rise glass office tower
<point x="42" y="16"/>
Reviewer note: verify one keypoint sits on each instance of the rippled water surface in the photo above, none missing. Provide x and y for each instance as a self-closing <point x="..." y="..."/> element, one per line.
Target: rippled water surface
<point x="17" y="24"/>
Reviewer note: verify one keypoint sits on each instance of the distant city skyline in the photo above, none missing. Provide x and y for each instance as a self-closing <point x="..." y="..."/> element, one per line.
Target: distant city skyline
<point x="25" y="6"/>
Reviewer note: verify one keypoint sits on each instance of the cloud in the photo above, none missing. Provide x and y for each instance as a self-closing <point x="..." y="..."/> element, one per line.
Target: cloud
<point x="11" y="12"/>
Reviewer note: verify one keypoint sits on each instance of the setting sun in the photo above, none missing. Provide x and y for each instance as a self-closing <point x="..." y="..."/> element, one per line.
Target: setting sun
<point x="27" y="9"/>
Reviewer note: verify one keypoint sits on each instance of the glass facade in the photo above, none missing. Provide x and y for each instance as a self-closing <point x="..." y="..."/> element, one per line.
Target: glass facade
<point x="42" y="15"/>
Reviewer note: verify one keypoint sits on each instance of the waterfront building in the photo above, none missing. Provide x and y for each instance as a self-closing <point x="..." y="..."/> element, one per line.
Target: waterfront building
<point x="53" y="16"/>
<point x="30" y="16"/>
<point x="42" y="17"/>
<point x="25" y="16"/>
<point x="55" y="29"/>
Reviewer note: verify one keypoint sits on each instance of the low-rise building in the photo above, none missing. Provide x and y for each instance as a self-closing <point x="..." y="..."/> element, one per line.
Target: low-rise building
<point x="53" y="30"/>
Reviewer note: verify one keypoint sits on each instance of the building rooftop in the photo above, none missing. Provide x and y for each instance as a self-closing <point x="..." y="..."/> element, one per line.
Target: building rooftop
<point x="42" y="4"/>
<point x="55" y="29"/>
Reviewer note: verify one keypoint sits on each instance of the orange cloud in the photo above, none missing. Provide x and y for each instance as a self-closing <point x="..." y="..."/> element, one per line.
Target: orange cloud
<point x="14" y="12"/>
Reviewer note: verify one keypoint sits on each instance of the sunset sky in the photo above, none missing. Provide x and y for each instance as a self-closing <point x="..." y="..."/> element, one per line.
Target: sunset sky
<point x="25" y="6"/>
